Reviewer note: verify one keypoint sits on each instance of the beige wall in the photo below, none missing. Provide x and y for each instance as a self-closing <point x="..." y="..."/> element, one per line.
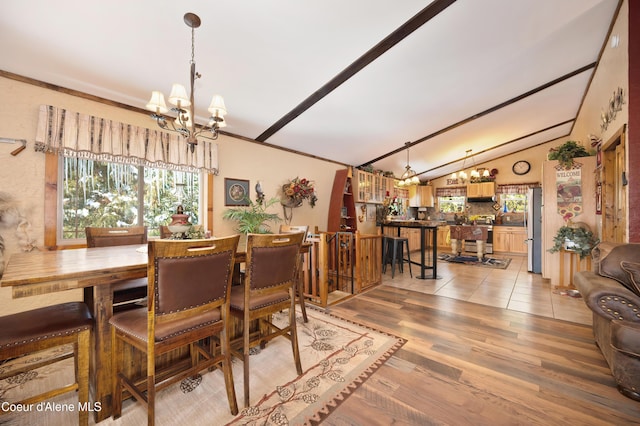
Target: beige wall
<point x="22" y="176"/>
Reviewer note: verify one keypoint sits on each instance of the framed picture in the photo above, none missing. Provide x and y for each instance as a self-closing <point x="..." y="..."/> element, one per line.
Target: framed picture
<point x="236" y="192"/>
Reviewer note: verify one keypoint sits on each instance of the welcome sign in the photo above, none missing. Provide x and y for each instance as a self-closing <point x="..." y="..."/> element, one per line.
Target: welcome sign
<point x="569" y="191"/>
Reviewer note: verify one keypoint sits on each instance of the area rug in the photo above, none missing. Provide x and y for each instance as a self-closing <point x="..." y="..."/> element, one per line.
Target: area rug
<point x="337" y="356"/>
<point x="488" y="262"/>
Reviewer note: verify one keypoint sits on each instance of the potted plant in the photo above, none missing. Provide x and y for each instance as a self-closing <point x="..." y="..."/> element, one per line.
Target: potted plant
<point x="574" y="238"/>
<point x="252" y="218"/>
<point x="566" y="152"/>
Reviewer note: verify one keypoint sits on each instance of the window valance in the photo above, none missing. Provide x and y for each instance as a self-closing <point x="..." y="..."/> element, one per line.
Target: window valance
<point x="515" y="188"/>
<point x="458" y="191"/>
<point x="74" y="134"/>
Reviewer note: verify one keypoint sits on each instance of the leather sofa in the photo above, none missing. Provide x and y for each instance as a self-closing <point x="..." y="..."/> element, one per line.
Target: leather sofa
<point x="612" y="292"/>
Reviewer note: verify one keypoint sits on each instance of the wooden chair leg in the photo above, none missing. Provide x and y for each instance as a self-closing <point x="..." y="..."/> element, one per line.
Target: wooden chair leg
<point x="300" y="289"/>
<point x="228" y="372"/>
<point x="151" y="392"/>
<point x="82" y="377"/>
<point x="293" y="329"/>
<point x="245" y="352"/>
<point x="116" y="393"/>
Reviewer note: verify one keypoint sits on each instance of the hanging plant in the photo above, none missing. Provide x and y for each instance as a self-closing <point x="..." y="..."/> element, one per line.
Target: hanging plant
<point x="574" y="238"/>
<point x="566" y="152"/>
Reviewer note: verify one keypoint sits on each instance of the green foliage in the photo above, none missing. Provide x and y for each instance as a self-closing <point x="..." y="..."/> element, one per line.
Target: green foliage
<point x="583" y="239"/>
<point x="566" y="152"/>
<point x="252" y="218"/>
<point x="106" y="194"/>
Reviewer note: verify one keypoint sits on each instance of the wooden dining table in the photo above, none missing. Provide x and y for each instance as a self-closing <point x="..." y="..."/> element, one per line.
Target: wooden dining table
<point x="94" y="270"/>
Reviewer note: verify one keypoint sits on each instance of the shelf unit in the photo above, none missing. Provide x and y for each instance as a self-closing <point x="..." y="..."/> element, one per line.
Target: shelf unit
<point x="342" y="207"/>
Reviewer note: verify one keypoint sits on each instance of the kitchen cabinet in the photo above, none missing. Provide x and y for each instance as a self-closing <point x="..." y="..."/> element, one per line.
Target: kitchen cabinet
<point x="342" y="207"/>
<point x="510" y="239"/>
<point x="421" y="196"/>
<point x="443" y="232"/>
<point x="371" y="187"/>
<point x="481" y="190"/>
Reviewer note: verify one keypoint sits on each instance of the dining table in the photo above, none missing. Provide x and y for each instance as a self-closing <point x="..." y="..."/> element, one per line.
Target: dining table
<point x="94" y="270"/>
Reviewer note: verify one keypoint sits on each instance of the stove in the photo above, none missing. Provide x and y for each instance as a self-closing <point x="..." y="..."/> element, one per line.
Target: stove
<point x="485" y="221"/>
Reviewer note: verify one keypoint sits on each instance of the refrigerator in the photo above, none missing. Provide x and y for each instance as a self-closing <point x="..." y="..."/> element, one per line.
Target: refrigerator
<point x="533" y="222"/>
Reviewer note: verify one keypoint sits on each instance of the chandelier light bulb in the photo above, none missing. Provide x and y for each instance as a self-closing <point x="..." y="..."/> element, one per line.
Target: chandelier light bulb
<point x="184" y="105"/>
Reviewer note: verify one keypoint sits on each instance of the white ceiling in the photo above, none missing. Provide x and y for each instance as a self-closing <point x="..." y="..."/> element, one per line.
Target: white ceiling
<point x="449" y="86"/>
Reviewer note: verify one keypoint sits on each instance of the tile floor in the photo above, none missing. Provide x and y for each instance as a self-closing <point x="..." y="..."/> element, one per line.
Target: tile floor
<point x="512" y="288"/>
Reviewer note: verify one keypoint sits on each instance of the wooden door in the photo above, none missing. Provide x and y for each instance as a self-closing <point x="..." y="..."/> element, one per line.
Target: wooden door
<point x="614" y="195"/>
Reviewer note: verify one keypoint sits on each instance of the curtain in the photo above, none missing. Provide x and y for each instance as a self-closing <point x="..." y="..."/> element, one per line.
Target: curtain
<point x="515" y="189"/>
<point x="458" y="191"/>
<point x="74" y="134"/>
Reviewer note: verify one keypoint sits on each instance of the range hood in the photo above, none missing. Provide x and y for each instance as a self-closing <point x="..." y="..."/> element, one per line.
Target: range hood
<point x="481" y="199"/>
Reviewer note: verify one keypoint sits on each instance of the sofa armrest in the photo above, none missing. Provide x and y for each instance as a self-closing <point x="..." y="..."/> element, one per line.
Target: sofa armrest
<point x="607" y="297"/>
<point x="625" y="337"/>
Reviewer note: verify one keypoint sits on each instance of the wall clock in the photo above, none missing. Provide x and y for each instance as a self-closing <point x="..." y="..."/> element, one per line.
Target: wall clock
<point x="521" y="167"/>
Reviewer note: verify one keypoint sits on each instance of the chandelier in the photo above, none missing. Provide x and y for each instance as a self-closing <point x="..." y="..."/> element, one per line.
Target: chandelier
<point x="409" y="177"/>
<point x="183" y="123"/>
<point x="475" y="174"/>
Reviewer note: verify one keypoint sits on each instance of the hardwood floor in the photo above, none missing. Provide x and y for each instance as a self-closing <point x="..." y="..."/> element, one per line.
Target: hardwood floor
<point x="525" y="356"/>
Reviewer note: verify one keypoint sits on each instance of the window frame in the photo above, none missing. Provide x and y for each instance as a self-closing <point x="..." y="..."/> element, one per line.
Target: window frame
<point x="52" y="199"/>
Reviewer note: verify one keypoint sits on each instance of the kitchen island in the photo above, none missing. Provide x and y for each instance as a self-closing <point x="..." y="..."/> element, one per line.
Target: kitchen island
<point x="428" y="246"/>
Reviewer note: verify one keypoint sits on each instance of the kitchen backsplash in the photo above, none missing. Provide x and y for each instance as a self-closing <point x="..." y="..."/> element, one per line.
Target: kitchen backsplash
<point x="480" y="208"/>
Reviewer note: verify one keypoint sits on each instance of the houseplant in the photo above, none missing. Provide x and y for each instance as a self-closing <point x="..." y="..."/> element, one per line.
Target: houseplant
<point x="566" y="152"/>
<point x="252" y="218"/>
<point x="575" y="238"/>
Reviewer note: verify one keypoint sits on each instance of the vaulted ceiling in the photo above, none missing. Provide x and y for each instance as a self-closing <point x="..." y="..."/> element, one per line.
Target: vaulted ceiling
<point x="349" y="81"/>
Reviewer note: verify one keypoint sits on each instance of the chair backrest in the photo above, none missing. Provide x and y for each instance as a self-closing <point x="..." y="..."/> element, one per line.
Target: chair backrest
<point x="286" y="229"/>
<point x="106" y="237"/>
<point x="189" y="277"/>
<point x="164" y="232"/>
<point x="272" y="260"/>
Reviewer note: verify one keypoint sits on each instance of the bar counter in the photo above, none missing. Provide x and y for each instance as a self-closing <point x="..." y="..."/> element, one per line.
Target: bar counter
<point x="425" y="226"/>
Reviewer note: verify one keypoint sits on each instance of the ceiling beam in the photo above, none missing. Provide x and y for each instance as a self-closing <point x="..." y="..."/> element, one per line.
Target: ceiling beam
<point x="571" y="120"/>
<point x="485" y="112"/>
<point x="421" y="18"/>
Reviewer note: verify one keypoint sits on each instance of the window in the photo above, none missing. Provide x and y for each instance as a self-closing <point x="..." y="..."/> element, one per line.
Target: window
<point x="105" y="194"/>
<point x="452" y="204"/>
<point x="513" y="203"/>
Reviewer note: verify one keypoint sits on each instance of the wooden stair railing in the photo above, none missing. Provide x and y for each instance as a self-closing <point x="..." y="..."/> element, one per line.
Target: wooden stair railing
<point x="346" y="262"/>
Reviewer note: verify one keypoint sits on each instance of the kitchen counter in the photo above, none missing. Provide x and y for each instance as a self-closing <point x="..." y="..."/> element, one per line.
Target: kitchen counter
<point x="469" y="232"/>
<point x="413" y="223"/>
<point x="426" y="227"/>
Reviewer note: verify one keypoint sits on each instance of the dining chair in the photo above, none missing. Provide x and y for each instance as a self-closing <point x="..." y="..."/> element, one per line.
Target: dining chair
<point x="268" y="288"/>
<point x="189" y="290"/>
<point x="286" y="229"/>
<point x="51" y="327"/>
<point x="126" y="293"/>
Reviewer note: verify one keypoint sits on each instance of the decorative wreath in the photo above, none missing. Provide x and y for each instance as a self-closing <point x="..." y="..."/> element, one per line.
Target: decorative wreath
<point x="298" y="190"/>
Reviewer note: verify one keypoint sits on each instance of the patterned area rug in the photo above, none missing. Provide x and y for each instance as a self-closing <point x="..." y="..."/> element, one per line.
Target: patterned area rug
<point x="337" y="356"/>
<point x="473" y="260"/>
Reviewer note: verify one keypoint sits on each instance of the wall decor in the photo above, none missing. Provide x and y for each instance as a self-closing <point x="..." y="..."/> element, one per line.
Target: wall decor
<point x="236" y="192"/>
<point x="569" y="191"/>
<point x="598" y="198"/>
<point x="615" y="104"/>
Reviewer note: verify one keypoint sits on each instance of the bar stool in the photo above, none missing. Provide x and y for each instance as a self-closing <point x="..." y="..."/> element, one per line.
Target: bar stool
<point x="393" y="251"/>
<point x="50" y="327"/>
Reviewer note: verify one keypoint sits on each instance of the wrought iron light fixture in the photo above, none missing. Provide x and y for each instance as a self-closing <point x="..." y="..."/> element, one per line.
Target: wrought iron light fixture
<point x="475" y="174"/>
<point x="409" y="177"/>
<point x="184" y="106"/>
